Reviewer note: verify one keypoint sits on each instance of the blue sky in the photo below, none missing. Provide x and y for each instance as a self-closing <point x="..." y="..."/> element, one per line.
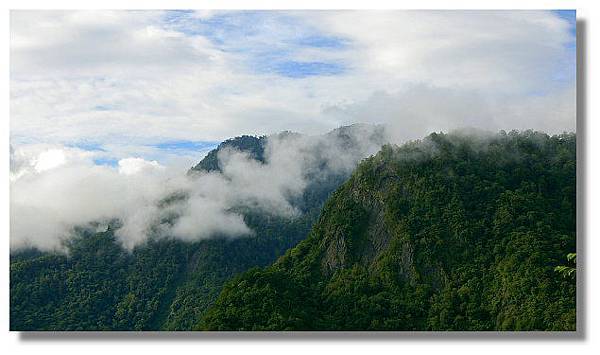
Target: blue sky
<point x="186" y="145"/>
<point x="170" y="85"/>
<point x="250" y="33"/>
<point x="570" y="16"/>
<point x="568" y="74"/>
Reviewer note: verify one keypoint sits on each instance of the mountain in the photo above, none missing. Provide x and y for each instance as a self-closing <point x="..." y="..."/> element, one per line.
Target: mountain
<point x="254" y="146"/>
<point x="167" y="283"/>
<point x="455" y="232"/>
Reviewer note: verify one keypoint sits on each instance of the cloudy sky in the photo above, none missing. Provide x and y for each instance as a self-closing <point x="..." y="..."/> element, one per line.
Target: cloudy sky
<point x="109" y="109"/>
<point x="166" y="86"/>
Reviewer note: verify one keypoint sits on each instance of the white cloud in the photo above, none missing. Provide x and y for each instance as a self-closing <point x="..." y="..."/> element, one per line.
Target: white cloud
<point x="73" y="44"/>
<point x="130" y="79"/>
<point x="132" y="76"/>
<point x="498" y="51"/>
<point x="420" y="109"/>
<point x="46" y="203"/>
<point x="70" y="190"/>
<point x="49" y="159"/>
<point x="131" y="166"/>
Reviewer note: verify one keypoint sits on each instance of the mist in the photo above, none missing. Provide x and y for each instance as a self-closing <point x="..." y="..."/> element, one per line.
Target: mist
<point x="55" y="189"/>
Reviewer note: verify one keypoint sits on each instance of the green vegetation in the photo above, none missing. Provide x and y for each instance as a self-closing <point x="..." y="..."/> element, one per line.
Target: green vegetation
<point x="163" y="284"/>
<point x="568" y="271"/>
<point x="455" y="232"/>
<point x="452" y="233"/>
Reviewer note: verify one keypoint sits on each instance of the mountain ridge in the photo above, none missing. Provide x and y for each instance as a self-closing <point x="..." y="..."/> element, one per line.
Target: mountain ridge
<point x="454" y="232"/>
<point x="164" y="283"/>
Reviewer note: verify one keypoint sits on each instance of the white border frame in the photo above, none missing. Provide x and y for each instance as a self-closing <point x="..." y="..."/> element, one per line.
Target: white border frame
<point x="346" y="343"/>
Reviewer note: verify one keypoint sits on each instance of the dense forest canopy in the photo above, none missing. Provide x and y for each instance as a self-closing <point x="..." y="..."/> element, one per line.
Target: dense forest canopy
<point x="455" y="232"/>
<point x="166" y="283"/>
<point x="458" y="231"/>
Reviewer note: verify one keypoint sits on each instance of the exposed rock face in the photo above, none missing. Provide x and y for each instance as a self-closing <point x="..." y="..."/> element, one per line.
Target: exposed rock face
<point x="364" y="246"/>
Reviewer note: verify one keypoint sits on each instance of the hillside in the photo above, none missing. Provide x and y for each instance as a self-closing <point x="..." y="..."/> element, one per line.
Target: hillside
<point x="164" y="283"/>
<point x="455" y="232"/>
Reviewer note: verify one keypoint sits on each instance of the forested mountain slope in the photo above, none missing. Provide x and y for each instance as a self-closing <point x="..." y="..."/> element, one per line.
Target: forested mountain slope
<point x="164" y="283"/>
<point x="455" y="232"/>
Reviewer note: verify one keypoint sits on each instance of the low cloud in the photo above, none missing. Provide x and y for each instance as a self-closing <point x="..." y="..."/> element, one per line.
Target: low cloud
<point x="55" y="189"/>
<point x="418" y="110"/>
